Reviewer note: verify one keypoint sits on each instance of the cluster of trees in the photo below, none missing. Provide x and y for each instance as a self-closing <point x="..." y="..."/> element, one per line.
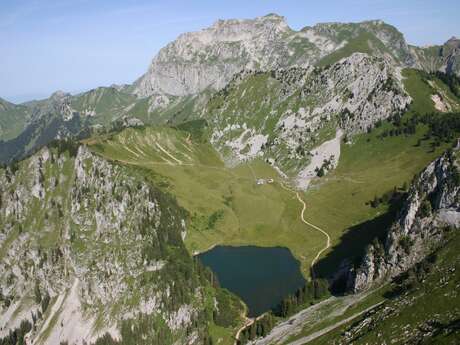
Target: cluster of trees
<point x="451" y="80"/>
<point x="308" y="294"/>
<point x="345" y="115"/>
<point x="16" y="337"/>
<point x="325" y="167"/>
<point x="260" y="328"/>
<point x="65" y="145"/>
<point x="311" y="291"/>
<point x="389" y="197"/>
<point x="214" y="218"/>
<point x="425" y="209"/>
<point x="441" y="127"/>
<point x="201" y="222"/>
<point x="229" y="309"/>
<point x="407" y="127"/>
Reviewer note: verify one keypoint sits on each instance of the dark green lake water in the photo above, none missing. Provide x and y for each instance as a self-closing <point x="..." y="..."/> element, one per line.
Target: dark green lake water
<point x="261" y="277"/>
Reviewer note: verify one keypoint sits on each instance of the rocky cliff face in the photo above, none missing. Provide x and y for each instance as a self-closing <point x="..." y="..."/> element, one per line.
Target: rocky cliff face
<point x="211" y="57"/>
<point x="88" y="248"/>
<point x="432" y="205"/>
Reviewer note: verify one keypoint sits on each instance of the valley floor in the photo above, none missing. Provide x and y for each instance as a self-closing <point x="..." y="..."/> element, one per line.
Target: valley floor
<point x="228" y="207"/>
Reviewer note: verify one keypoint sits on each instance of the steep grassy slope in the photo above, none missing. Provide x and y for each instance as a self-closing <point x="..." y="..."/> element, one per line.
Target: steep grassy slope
<point x="13" y="119"/>
<point x="102" y="105"/>
<point x="422" y="86"/>
<point x="364" y="42"/>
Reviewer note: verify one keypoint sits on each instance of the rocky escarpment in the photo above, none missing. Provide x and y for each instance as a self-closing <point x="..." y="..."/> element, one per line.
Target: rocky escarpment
<point x="283" y="114"/>
<point x="211" y="57"/>
<point x="432" y="205"/>
<point x="88" y="248"/>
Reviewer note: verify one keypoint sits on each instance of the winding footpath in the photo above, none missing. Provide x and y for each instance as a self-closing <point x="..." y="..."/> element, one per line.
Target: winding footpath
<point x="302" y="217"/>
<point x="247" y="322"/>
<point x="328" y="238"/>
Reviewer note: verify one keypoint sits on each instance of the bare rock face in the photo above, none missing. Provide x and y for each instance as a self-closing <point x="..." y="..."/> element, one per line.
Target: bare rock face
<point x="209" y="58"/>
<point x="433" y="204"/>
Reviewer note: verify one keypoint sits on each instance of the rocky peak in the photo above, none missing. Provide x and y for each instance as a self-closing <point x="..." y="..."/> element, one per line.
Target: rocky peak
<point x="59" y="95"/>
<point x="453" y="41"/>
<point x="209" y="58"/>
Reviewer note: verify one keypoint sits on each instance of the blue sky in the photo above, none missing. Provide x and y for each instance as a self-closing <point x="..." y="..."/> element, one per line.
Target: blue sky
<point x="75" y="45"/>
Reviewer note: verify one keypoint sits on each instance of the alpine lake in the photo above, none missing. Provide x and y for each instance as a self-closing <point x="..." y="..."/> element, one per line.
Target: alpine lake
<point x="261" y="277"/>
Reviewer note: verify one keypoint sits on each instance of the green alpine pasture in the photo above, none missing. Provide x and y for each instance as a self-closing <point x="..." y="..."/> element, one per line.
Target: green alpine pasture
<point x="226" y="206"/>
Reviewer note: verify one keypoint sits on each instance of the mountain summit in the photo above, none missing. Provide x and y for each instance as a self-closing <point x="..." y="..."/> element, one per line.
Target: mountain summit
<point x="209" y="58"/>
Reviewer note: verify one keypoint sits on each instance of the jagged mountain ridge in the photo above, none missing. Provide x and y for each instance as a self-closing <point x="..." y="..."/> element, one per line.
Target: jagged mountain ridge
<point x="209" y="58"/>
<point x="61" y="116"/>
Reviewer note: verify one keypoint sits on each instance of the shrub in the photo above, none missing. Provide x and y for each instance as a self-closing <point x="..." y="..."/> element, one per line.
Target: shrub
<point x="406" y="243"/>
<point x="425" y="209"/>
